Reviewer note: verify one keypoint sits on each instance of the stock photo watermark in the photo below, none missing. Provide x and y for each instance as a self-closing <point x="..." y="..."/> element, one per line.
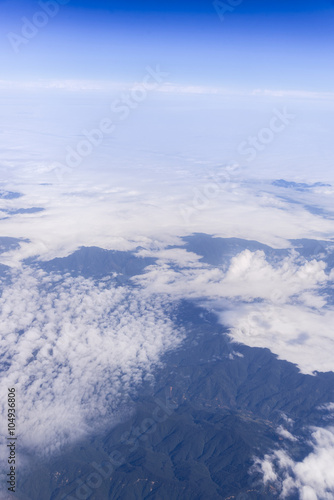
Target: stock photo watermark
<point x="122" y="108"/>
<point x="223" y="8"/>
<point x="215" y="185"/>
<point x="131" y="439"/>
<point x="255" y="144"/>
<point x="11" y="440"/>
<point x="30" y="27"/>
<point x="203" y="195"/>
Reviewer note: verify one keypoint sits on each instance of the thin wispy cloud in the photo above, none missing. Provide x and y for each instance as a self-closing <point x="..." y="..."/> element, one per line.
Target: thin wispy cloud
<point x="168" y="87"/>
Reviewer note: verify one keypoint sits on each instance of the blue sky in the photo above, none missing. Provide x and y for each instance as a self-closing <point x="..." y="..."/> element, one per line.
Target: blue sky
<point x="282" y="50"/>
<point x="275" y="45"/>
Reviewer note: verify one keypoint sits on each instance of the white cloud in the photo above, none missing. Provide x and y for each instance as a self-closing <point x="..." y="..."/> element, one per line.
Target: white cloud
<point x="311" y="478"/>
<point x="64" y="85"/>
<point x="286" y="434"/>
<point x="327" y="407"/>
<point x="276" y="306"/>
<point x="167" y="87"/>
<point x="74" y="350"/>
<point x="296" y="94"/>
<point x="249" y="276"/>
<point x="142" y="211"/>
<point x="297" y="333"/>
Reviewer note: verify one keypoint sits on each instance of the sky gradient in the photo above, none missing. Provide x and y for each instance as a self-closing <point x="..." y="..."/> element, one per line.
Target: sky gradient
<point x="283" y="45"/>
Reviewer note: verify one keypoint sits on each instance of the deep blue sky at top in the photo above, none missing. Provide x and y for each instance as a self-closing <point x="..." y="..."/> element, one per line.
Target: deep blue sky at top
<point x="202" y="6"/>
<point x="273" y="44"/>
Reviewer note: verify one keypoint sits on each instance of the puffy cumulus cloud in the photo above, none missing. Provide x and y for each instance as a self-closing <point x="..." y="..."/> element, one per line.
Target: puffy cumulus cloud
<point x="74" y="350"/>
<point x="293" y="320"/>
<point x="311" y="478"/>
<point x="249" y="276"/>
<point x="297" y="333"/>
<point x="278" y="305"/>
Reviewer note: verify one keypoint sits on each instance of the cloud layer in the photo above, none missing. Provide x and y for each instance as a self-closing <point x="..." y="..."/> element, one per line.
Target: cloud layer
<point x="74" y="350"/>
<point x="172" y="167"/>
<point x="311" y="478"/>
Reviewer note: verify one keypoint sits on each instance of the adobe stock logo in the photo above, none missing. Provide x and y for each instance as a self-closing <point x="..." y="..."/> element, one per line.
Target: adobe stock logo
<point x="104" y="472"/>
<point x="216" y="184"/>
<point x="227" y="6"/>
<point x="121" y="109"/>
<point x="277" y="124"/>
<point x="31" y="27"/>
